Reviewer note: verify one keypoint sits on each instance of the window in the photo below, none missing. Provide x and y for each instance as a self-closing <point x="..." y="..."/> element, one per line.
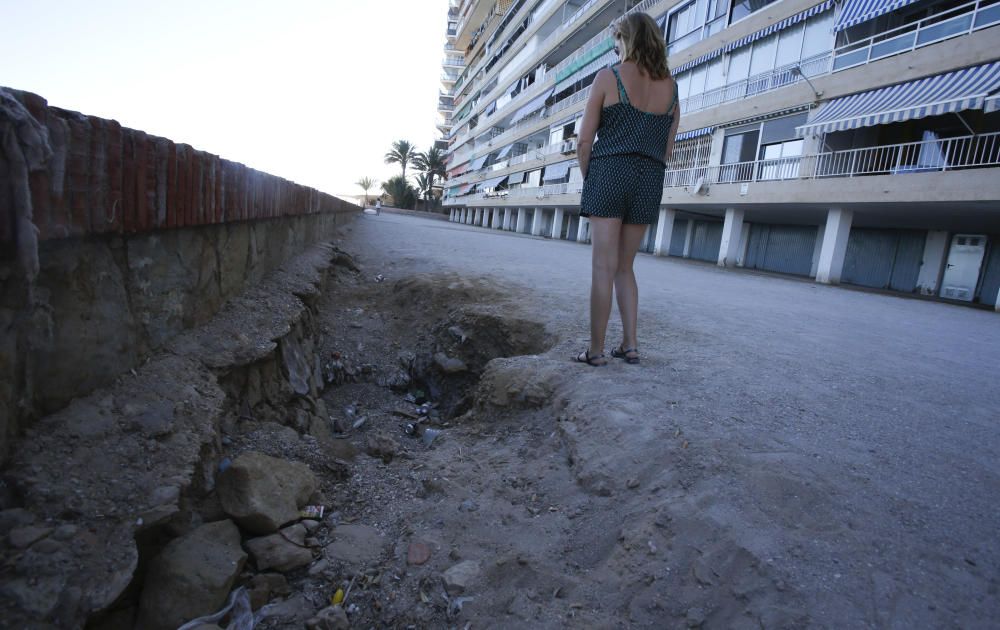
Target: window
<point x="742" y="8"/>
<point x="818" y="38"/>
<point x="762" y="56"/>
<point x="738" y="152"/>
<point x="739" y="65"/>
<point x="779" y="160"/>
<point x="682" y="21"/>
<point x="789" y="46"/>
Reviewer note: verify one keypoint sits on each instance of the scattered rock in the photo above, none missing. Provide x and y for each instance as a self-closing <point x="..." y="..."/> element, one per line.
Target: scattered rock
<point x="382" y="445"/>
<point x="330" y="618"/>
<point x="283" y="550"/>
<point x="154" y="419"/>
<point x="449" y="365"/>
<point x="264" y="586"/>
<point x="322" y="565"/>
<point x="310" y="525"/>
<point x="24" y="537"/>
<point x="355" y="544"/>
<point x="47" y="546"/>
<point x="262" y="493"/>
<point x="15" y="517"/>
<point x="64" y="532"/>
<point x="468" y="506"/>
<point x="418" y="553"/>
<point x="191" y="577"/>
<point x="459" y="577"/>
<point x="290" y="610"/>
<point x="632" y="483"/>
<point x="163" y="495"/>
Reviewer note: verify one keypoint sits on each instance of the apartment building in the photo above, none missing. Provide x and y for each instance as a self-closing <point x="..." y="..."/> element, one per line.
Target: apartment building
<point x="452" y="67"/>
<point x="854" y="142"/>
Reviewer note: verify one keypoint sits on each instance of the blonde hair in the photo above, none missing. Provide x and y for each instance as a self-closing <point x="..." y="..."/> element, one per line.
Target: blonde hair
<point x="642" y="42"/>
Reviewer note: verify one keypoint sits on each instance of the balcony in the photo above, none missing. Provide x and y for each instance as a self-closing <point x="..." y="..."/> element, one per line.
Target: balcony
<point x="948" y="154"/>
<point x="960" y="20"/>
<point x="764" y="82"/>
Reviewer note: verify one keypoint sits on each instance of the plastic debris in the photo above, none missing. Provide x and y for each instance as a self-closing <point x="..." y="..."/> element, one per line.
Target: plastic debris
<point x="338" y="597"/>
<point x="430" y="435"/>
<point x="379" y="278"/>
<point x="225" y="463"/>
<point x="237" y="607"/>
<point x="312" y="512"/>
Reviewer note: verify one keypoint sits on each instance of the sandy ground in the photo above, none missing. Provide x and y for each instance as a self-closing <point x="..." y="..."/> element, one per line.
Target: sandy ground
<point x="786" y="455"/>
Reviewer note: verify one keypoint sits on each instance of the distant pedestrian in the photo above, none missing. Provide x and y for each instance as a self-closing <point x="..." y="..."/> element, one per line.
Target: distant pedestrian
<point x="378" y="207"/>
<point x="633" y="110"/>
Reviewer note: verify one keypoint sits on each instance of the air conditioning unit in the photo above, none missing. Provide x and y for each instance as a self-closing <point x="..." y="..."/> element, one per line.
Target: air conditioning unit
<point x="568" y="146"/>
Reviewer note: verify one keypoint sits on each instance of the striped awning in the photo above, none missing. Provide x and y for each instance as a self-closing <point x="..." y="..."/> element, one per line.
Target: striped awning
<point x="586" y="58"/>
<point x="694" y="133"/>
<point x="504" y="151"/>
<point x="956" y="91"/>
<point x="478" y="162"/>
<point x="557" y="170"/>
<point x="858" y="11"/>
<point x="533" y="106"/>
<point x="593" y="67"/>
<point x="992" y="104"/>
<point x="752" y="37"/>
<point x="492" y="183"/>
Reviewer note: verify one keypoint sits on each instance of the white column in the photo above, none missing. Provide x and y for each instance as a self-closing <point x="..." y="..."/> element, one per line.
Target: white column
<point x="537" y="220"/>
<point x="816" y="250"/>
<point x="479" y="217"/>
<point x="581" y="230"/>
<point x="468" y="216"/>
<point x="506" y="219"/>
<point x="935" y="253"/>
<point x="688" y="238"/>
<point x="495" y="222"/>
<point x="744" y="243"/>
<point x="557" y="221"/>
<point x="664" y="232"/>
<point x="451" y="215"/>
<point x="998" y="302"/>
<point x="831" y="256"/>
<point x="732" y="229"/>
<point x="522" y="218"/>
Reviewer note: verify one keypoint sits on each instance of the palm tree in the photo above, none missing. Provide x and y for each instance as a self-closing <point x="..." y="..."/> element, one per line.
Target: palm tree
<point x="401" y="192"/>
<point x="431" y="163"/>
<point x="402" y="153"/>
<point x="366" y="184"/>
<point x="424" y="183"/>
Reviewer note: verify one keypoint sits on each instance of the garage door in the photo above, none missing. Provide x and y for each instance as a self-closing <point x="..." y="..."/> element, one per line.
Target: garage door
<point x="781" y="248"/>
<point x="706" y="241"/>
<point x="990" y="284"/>
<point x="884" y="259"/>
<point x="678" y="237"/>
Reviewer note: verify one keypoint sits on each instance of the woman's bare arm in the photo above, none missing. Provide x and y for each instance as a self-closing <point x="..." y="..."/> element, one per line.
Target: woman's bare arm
<point x="673" y="132"/>
<point x="591" y="120"/>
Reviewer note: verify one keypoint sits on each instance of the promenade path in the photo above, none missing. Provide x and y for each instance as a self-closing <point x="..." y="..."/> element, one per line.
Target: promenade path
<point x="786" y="452"/>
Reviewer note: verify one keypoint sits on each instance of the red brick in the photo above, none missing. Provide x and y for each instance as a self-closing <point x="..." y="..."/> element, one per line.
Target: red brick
<point x="113" y="222"/>
<point x="171" y="219"/>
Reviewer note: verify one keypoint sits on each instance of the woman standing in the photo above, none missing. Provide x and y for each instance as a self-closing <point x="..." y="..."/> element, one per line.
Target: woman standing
<point x="633" y="111"/>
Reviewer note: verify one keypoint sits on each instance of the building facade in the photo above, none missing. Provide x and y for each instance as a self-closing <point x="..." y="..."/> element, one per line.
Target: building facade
<point x="452" y="67"/>
<point x="854" y="142"/>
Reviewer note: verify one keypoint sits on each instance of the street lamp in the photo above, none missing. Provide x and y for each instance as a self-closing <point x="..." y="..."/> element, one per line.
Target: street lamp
<point x="797" y="69"/>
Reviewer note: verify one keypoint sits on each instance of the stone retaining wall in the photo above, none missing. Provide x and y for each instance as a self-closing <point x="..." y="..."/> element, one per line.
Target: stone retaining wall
<point x="112" y="241"/>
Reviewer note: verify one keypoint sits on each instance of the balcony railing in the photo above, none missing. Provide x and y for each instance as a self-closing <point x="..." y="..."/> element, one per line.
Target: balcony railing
<point x="764" y="82"/>
<point x="926" y="156"/>
<point x="960" y="20"/>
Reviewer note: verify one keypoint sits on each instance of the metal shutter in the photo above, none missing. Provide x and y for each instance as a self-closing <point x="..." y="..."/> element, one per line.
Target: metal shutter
<point x="781" y="248"/>
<point x="706" y="241"/>
<point x="990" y="285"/>
<point x="678" y="238"/>
<point x="884" y="259"/>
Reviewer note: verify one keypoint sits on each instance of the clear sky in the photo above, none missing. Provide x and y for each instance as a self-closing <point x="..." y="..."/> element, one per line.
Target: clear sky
<point x="311" y="90"/>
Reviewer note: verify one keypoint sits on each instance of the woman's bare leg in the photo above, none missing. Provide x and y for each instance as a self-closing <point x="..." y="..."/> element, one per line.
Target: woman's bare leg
<point x="604" y="235"/>
<point x="626" y="289"/>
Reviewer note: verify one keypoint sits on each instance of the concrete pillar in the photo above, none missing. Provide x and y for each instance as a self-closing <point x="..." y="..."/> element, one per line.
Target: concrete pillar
<point x="506" y="219"/>
<point x="664" y="232"/>
<point x="744" y="244"/>
<point x="451" y="215"/>
<point x="816" y="250"/>
<point x="468" y="216"/>
<point x="537" y="221"/>
<point x="557" y="221"/>
<point x="732" y="229"/>
<point x="831" y="256"/>
<point x="479" y="217"/>
<point x="581" y="230"/>
<point x="935" y="255"/>
<point x="495" y="224"/>
<point x="522" y="218"/>
<point x="688" y="238"/>
<point x="997" y="309"/>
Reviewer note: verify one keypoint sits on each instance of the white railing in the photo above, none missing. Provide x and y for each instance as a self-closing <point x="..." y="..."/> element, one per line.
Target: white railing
<point x="948" y="154"/>
<point x="596" y="39"/>
<point x="960" y="20"/>
<point x="926" y="156"/>
<point x="764" y="82"/>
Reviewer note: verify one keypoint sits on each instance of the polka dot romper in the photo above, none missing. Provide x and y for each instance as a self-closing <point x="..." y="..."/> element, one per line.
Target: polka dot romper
<point x="625" y="177"/>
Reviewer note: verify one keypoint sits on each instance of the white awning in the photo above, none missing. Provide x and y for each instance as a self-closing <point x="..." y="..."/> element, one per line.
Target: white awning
<point x="531" y="107"/>
<point x="557" y="170"/>
<point x="969" y="88"/>
<point x="858" y="11"/>
<point x="478" y="162"/>
<point x="492" y="183"/>
<point x="504" y="151"/>
<point x="516" y="178"/>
